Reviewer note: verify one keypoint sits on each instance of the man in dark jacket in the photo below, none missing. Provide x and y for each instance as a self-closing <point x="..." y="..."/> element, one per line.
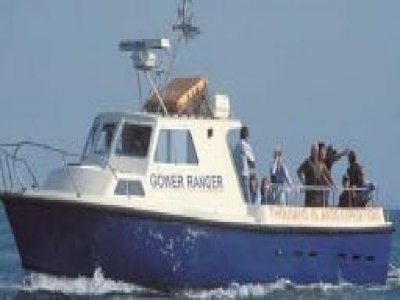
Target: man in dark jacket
<point x="354" y="171"/>
<point x="356" y="177"/>
<point x="308" y="173"/>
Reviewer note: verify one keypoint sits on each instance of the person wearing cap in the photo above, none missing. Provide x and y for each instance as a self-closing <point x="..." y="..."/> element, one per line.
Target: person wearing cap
<point x="279" y="177"/>
<point x="244" y="161"/>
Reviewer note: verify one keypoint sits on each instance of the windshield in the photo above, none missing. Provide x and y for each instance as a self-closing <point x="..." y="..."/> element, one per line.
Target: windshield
<point x="134" y="140"/>
<point x="100" y="138"/>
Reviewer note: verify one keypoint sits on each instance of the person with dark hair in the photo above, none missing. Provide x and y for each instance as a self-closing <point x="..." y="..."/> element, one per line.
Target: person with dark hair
<point x="325" y="180"/>
<point x="253" y="188"/>
<point x="356" y="177"/>
<point x="266" y="192"/>
<point x="309" y="175"/>
<point x="346" y="198"/>
<point x="321" y="145"/>
<point x="244" y="161"/>
<point x="244" y="132"/>
<point x="332" y="156"/>
<point x="354" y="171"/>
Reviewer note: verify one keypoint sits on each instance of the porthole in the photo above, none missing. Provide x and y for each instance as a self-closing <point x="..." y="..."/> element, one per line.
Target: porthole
<point x="356" y="257"/>
<point x="370" y="258"/>
<point x="313" y="254"/>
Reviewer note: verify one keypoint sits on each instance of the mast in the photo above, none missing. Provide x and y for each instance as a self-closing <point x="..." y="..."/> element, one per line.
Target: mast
<point x="143" y="54"/>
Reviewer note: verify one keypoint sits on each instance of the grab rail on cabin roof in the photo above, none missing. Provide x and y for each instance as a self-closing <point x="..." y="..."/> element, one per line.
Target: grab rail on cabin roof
<point x="8" y="174"/>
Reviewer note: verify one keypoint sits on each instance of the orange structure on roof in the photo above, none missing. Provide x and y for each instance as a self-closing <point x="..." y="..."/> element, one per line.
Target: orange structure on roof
<point x="181" y="96"/>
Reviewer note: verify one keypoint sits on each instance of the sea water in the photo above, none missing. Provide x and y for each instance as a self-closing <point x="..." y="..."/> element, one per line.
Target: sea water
<point x="17" y="284"/>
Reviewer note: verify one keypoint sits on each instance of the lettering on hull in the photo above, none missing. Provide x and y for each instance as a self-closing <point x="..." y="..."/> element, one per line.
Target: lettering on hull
<point x="187" y="182"/>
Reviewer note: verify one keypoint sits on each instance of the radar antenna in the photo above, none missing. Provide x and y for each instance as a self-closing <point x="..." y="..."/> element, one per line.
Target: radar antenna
<point x="145" y="60"/>
<point x="144" y="57"/>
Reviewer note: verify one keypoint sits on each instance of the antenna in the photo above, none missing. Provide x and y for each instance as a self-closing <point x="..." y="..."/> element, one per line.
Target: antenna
<point x="144" y="60"/>
<point x="184" y="23"/>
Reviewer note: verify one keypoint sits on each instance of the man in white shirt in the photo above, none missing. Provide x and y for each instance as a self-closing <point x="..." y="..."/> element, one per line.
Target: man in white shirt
<point x="245" y="161"/>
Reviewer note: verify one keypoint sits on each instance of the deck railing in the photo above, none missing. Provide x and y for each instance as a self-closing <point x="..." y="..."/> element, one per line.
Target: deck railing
<point x="13" y="166"/>
<point x="296" y="195"/>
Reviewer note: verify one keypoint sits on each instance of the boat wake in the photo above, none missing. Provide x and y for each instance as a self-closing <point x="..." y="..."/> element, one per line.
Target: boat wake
<point x="285" y="289"/>
<point x="98" y="285"/>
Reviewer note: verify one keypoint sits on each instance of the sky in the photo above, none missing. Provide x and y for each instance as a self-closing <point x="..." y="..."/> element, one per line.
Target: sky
<point x="296" y="72"/>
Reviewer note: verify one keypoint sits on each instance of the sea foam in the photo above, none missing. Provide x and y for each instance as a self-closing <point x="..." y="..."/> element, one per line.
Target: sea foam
<point x="96" y="285"/>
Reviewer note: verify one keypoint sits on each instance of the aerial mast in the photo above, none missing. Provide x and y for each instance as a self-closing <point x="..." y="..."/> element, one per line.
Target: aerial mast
<point x="143" y="52"/>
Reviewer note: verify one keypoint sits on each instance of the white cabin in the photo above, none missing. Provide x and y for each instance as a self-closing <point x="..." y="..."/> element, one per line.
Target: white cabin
<point x="179" y="165"/>
<point x="148" y="157"/>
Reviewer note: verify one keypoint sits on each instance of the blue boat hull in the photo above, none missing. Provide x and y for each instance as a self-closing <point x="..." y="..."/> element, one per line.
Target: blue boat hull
<point x="171" y="252"/>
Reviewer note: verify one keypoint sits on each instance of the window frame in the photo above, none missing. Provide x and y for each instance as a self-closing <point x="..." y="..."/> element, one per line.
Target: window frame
<point x="118" y="138"/>
<point x="175" y="163"/>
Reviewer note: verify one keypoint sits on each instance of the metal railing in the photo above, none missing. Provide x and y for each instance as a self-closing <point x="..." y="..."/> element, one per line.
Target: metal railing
<point x="314" y="195"/>
<point x="11" y="163"/>
<point x="10" y="174"/>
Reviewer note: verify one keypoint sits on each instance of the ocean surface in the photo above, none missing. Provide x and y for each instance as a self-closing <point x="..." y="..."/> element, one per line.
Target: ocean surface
<point x="16" y="284"/>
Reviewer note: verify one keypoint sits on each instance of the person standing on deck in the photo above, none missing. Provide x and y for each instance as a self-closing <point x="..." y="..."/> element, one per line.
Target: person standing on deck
<point x="309" y="175"/>
<point x="245" y="161"/>
<point x="346" y="198"/>
<point x="266" y="192"/>
<point x="325" y="179"/>
<point x="254" y="196"/>
<point x="279" y="177"/>
<point x="356" y="175"/>
<point x="333" y="156"/>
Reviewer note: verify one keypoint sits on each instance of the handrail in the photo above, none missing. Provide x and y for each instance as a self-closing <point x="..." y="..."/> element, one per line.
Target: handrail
<point x="327" y="193"/>
<point x="19" y="145"/>
<point x="9" y="156"/>
<point x="14" y="158"/>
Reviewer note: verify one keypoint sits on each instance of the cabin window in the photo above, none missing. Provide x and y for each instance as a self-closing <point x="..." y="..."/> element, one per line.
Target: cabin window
<point x="134" y="140"/>
<point x="104" y="138"/>
<point x="233" y="137"/>
<point x="100" y="139"/>
<point x="175" y="146"/>
<point x="129" y="188"/>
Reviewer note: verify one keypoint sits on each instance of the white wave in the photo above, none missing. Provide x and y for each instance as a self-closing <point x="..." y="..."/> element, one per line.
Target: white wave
<point x="238" y="291"/>
<point x="393" y="276"/>
<point x="283" y="288"/>
<point x="97" y="285"/>
<point x="287" y="288"/>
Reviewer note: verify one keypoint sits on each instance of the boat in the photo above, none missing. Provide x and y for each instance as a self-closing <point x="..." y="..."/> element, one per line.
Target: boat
<point x="155" y="199"/>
